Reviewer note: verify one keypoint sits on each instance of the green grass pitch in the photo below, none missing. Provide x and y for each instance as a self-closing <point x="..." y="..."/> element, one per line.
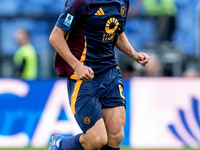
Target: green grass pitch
<point x="123" y="148"/>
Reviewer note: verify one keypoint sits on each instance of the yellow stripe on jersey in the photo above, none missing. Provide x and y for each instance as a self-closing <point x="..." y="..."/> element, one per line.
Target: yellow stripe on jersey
<point x="74" y="76"/>
<point x="75" y="95"/>
<point x="84" y="52"/>
<point x="67" y="37"/>
<point x="83" y="56"/>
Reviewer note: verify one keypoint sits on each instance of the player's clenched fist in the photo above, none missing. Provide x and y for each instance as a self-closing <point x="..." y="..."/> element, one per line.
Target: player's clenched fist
<point x="84" y="73"/>
<point x="141" y="58"/>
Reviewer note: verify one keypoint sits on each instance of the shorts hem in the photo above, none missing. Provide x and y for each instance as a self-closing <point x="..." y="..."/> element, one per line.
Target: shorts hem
<point x="91" y="125"/>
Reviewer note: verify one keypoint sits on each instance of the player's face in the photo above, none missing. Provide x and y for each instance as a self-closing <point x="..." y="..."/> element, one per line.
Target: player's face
<point x="20" y="37"/>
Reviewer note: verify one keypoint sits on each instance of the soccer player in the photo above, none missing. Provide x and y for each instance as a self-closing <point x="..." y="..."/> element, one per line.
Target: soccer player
<point x="84" y="38"/>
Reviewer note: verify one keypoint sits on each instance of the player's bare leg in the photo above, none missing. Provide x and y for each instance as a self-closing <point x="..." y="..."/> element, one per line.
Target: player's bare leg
<point x="114" y="119"/>
<point x="95" y="137"/>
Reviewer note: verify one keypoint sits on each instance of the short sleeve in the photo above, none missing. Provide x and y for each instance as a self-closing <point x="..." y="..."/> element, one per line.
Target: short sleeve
<point x="71" y="15"/>
<point x="124" y="16"/>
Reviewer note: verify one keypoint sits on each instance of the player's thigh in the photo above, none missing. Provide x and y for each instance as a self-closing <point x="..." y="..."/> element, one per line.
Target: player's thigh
<point x="114" y="119"/>
<point x="85" y="107"/>
<point x="98" y="129"/>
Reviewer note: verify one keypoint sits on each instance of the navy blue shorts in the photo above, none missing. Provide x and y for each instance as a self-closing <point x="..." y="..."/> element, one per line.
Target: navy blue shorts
<point x="87" y="98"/>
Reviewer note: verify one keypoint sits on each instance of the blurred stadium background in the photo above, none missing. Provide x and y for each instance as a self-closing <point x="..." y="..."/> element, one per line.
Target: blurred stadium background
<point x="163" y="99"/>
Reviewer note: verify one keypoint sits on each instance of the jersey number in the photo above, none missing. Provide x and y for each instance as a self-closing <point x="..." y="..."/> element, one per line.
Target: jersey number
<point x="121" y="91"/>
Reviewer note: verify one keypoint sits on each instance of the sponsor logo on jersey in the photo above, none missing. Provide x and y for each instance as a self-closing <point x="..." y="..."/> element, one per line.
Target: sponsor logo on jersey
<point x="68" y="20"/>
<point x="110" y="27"/>
<point x="100" y="12"/>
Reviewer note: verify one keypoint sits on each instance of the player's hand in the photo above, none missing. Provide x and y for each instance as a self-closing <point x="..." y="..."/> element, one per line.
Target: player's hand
<point x="142" y="58"/>
<point x="84" y="73"/>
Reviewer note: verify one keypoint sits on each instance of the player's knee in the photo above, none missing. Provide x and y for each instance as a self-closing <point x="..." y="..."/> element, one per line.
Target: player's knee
<point x="98" y="142"/>
<point x="116" y="138"/>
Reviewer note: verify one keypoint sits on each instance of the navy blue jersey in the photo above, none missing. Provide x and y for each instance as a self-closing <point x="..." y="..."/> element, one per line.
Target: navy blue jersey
<point x="93" y="27"/>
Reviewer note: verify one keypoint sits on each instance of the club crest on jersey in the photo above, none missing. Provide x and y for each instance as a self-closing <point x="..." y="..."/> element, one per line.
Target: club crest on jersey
<point x="87" y="120"/>
<point x="122" y="10"/>
<point x="68" y="20"/>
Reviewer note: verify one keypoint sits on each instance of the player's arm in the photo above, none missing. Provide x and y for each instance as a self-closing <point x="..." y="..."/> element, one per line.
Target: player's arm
<point x="18" y="69"/>
<point x="124" y="46"/>
<point x="57" y="40"/>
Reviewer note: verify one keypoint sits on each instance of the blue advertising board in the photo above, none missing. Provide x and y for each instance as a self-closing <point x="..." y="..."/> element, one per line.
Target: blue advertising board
<point x="31" y="111"/>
